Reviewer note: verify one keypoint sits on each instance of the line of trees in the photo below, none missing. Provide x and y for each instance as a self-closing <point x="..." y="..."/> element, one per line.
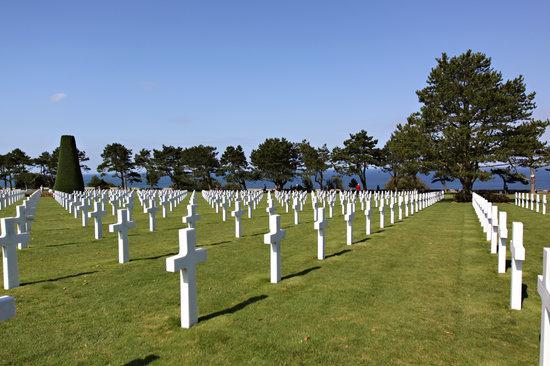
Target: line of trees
<point x="472" y="125"/>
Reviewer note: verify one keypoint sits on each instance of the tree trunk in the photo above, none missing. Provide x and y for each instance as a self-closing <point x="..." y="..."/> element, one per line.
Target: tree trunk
<point x="532" y="180"/>
<point x="467" y="186"/>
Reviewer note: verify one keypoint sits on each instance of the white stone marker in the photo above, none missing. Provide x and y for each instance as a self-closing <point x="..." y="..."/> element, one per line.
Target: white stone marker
<point x="237" y="214"/>
<point x="273" y="239"/>
<point x="382" y="210"/>
<point x="502" y="238"/>
<point x="392" y="211"/>
<point x="518" y="256"/>
<point x="368" y="215"/>
<point x="348" y="217"/>
<point x="192" y="216"/>
<point x="97" y="214"/>
<point x="7" y="308"/>
<point x="152" y="211"/>
<point x="296" y="208"/>
<point x="400" y="208"/>
<point x="84" y="206"/>
<point x="225" y="205"/>
<point x="543" y="288"/>
<point x="186" y="262"/>
<point x="21" y="226"/>
<point x="320" y="225"/>
<point x="122" y="227"/>
<point x="494" y="229"/>
<point x="8" y="242"/>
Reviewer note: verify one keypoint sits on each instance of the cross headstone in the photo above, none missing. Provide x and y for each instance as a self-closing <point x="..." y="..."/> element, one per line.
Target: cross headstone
<point x="348" y="217"/>
<point x="518" y="256"/>
<point x="382" y="209"/>
<point x="368" y="217"/>
<point x="186" y="262"/>
<point x="494" y="229"/>
<point x="84" y="206"/>
<point x="7" y="308"/>
<point x="543" y="288"/>
<point x="237" y="214"/>
<point x="152" y="211"/>
<point x="296" y="208"/>
<point x="21" y="226"/>
<point x="273" y="239"/>
<point x="97" y="214"/>
<point x="8" y="241"/>
<point x="320" y="225"/>
<point x="192" y="216"/>
<point x="121" y="227"/>
<point x="502" y="238"/>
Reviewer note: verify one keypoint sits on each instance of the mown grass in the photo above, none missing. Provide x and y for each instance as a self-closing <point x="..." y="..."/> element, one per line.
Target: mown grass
<point x="424" y="291"/>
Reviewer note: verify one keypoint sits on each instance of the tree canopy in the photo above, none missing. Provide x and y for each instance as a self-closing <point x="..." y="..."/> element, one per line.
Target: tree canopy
<point x="276" y="160"/>
<point x="467" y="108"/>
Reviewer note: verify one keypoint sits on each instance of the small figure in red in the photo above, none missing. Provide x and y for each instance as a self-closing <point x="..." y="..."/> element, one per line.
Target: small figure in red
<point x="358" y="187"/>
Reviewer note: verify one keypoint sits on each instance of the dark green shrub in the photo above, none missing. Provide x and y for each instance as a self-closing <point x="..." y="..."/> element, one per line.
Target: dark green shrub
<point x="69" y="177"/>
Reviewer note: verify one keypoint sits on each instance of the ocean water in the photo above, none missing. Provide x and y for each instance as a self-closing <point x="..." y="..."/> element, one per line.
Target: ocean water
<point x="375" y="178"/>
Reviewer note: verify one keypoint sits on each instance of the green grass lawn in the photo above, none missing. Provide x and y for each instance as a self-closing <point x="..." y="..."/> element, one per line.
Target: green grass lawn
<point x="424" y="291"/>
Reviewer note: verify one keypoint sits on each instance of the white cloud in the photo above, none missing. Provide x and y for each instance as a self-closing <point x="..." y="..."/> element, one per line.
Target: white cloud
<point x="57" y="97"/>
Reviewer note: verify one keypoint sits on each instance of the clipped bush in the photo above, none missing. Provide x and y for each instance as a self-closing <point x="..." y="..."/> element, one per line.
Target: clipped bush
<point x="69" y="177"/>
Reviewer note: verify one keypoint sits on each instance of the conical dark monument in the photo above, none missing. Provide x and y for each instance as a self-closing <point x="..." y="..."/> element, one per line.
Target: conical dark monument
<point x="69" y="177"/>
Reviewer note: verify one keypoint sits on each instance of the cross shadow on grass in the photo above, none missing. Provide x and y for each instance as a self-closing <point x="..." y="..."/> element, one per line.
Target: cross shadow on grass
<point x="233" y="309"/>
<point x="218" y="243"/>
<point x="58" y="278"/>
<point x="524" y="294"/>
<point x="337" y="254"/>
<point x="61" y="245"/>
<point x="142" y="361"/>
<point x="301" y="273"/>
<point x="154" y="257"/>
<point x="362" y="240"/>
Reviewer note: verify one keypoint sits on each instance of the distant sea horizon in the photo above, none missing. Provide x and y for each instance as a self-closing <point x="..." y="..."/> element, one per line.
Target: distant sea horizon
<point x="376" y="178"/>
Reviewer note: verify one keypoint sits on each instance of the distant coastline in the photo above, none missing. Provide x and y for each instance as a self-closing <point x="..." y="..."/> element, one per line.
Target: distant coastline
<point x="375" y="178"/>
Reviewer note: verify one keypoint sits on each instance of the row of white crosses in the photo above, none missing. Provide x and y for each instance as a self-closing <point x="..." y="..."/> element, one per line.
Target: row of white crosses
<point x="494" y="225"/>
<point x="10" y="196"/>
<point x="531" y="201"/>
<point x="189" y="256"/>
<point x="15" y="233"/>
<point x="223" y="200"/>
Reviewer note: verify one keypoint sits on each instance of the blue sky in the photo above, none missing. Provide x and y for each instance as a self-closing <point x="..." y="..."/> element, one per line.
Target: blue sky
<point x="147" y="73"/>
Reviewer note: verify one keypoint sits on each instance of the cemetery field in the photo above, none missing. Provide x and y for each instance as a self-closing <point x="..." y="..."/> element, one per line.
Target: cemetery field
<point x="423" y="291"/>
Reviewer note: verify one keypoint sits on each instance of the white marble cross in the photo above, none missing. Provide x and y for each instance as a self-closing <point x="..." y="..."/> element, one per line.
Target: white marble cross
<point x="192" y="216"/>
<point x="186" y="262"/>
<point x="543" y="288"/>
<point x="21" y="226"/>
<point x="296" y="208"/>
<point x="400" y="208"/>
<point x="518" y="256"/>
<point x="494" y="229"/>
<point x="502" y="238"/>
<point x="8" y="241"/>
<point x="382" y="209"/>
<point x="225" y="206"/>
<point x="320" y="225"/>
<point x="392" y="211"/>
<point x="349" y="217"/>
<point x="237" y="214"/>
<point x="368" y="217"/>
<point x="7" y="308"/>
<point x="152" y="211"/>
<point x="97" y="214"/>
<point x="121" y="227"/>
<point x="84" y="206"/>
<point x="273" y="239"/>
